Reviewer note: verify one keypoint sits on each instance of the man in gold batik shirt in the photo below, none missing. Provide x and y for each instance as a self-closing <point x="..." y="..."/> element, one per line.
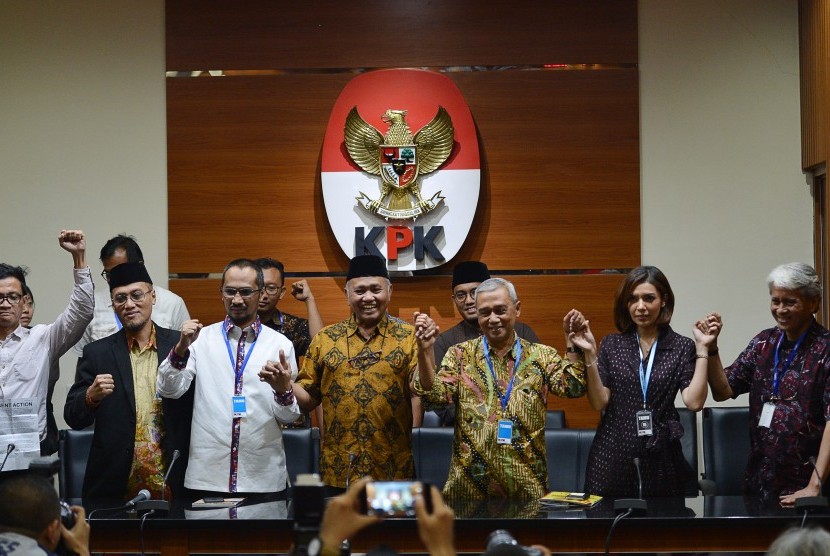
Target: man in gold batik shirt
<point x="360" y="369"/>
<point x="499" y="444"/>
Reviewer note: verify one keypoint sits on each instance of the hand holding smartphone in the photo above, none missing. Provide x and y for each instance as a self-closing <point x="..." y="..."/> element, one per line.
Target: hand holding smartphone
<point x="394" y="498"/>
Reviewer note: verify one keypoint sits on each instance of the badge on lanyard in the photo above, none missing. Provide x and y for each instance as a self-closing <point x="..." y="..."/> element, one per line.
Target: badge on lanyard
<point x="767" y="411"/>
<point x="645" y="427"/>
<point x="239" y="407"/>
<point x="505" y="434"/>
<point x="645" y="421"/>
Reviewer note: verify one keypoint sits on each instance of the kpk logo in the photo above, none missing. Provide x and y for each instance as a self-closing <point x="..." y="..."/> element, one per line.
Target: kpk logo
<point x="409" y="197"/>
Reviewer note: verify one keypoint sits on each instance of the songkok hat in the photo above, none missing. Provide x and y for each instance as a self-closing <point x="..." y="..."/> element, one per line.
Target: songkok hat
<point x="128" y="273"/>
<point x="467" y="272"/>
<point x="367" y="265"/>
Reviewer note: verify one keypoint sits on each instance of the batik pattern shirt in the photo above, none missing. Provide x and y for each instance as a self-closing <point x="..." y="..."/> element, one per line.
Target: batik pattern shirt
<point x="364" y="388"/>
<point x="148" y="458"/>
<point x="297" y="331"/>
<point x="482" y="468"/>
<point x="779" y="454"/>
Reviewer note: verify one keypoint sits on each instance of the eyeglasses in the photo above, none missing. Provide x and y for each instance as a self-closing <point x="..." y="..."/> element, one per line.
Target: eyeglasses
<point x="136" y="295"/>
<point x="244" y="293"/>
<point x="273" y="289"/>
<point x="462" y="295"/>
<point x="12" y="298"/>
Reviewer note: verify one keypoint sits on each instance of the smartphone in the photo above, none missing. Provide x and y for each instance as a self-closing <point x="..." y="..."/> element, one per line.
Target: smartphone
<point x="213" y="499"/>
<point x="394" y="498"/>
<point x="577" y="495"/>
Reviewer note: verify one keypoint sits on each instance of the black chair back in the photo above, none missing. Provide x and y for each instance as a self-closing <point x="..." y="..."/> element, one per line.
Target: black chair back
<point x="725" y="448"/>
<point x="689" y="443"/>
<point x="567" y="454"/>
<point x="73" y="449"/>
<point x="302" y="451"/>
<point x="432" y="450"/>
<point x="555" y="419"/>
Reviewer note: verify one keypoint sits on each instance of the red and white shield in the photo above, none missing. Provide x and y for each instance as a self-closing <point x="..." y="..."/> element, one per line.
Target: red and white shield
<point x="456" y="183"/>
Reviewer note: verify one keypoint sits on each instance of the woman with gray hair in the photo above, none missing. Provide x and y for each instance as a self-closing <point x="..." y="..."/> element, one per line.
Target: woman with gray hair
<point x="785" y="370"/>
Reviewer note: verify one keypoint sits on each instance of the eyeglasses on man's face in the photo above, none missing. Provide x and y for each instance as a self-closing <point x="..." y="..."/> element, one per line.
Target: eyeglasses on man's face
<point x="137" y="296"/>
<point x="244" y="293"/>
<point x="273" y="289"/>
<point x="12" y="298"/>
<point x="461" y="295"/>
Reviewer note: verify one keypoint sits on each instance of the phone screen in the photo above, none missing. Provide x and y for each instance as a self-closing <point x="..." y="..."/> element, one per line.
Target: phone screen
<point x="392" y="498"/>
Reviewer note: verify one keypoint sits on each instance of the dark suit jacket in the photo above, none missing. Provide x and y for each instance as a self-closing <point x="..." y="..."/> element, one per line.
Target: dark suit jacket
<point x="111" y="455"/>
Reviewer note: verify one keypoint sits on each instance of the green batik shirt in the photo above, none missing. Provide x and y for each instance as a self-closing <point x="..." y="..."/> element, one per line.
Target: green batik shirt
<point x="364" y="388"/>
<point x="482" y="468"/>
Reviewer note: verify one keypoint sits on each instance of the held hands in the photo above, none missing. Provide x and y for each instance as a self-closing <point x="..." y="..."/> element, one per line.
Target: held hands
<point x="342" y="517"/>
<point x="578" y="332"/>
<point x="706" y="331"/>
<point x="301" y="291"/>
<point x="277" y="374"/>
<point x="426" y="331"/>
<point x="190" y="331"/>
<point x="101" y="387"/>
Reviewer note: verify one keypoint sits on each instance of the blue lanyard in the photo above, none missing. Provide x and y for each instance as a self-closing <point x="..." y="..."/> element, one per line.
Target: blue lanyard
<point x="776" y="376"/>
<point x="238" y="372"/>
<point x="645" y="374"/>
<point x="504" y="399"/>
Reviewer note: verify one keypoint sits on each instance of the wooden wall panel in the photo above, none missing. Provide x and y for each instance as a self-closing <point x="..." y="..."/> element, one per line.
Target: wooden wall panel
<point x="561" y="178"/>
<point x="263" y="34"/>
<point x="545" y="300"/>
<point x="814" y="30"/>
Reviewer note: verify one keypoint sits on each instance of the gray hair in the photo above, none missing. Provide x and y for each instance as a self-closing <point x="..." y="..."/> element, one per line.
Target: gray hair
<point x="492" y="284"/>
<point x="801" y="542"/>
<point x="796" y="276"/>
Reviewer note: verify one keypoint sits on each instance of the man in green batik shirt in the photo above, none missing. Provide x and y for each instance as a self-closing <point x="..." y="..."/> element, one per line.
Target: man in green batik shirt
<point x="500" y="384"/>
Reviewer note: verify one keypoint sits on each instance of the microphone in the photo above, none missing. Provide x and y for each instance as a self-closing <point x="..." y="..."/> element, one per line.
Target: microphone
<point x="160" y="505"/>
<point x="142" y="495"/>
<point x="633" y="504"/>
<point x="811" y="502"/>
<point x="9" y="449"/>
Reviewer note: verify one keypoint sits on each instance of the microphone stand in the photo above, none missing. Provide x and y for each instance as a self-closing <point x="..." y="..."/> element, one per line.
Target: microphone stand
<point x="9" y="449"/>
<point x="159" y="506"/>
<point x="633" y="505"/>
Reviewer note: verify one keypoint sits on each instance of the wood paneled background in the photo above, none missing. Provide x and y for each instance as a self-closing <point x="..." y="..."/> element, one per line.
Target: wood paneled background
<point x="553" y="89"/>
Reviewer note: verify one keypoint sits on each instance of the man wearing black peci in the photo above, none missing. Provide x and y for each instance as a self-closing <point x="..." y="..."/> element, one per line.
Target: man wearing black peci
<point x="136" y="431"/>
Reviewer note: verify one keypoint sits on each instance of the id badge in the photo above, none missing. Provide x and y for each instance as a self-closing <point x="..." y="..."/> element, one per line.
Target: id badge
<point x="505" y="435"/>
<point x="239" y="407"/>
<point x="766" y="415"/>
<point x="645" y="427"/>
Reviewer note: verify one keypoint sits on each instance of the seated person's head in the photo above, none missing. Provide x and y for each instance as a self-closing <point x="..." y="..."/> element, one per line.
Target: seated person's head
<point x="29" y="506"/>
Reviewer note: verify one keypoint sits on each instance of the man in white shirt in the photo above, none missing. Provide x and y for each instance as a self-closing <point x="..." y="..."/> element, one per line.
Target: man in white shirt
<point x="241" y="396"/>
<point x="27" y="354"/>
<point x="168" y="312"/>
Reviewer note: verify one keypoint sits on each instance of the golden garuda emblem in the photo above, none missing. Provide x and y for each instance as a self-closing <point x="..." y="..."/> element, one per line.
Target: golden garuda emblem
<point x="399" y="158"/>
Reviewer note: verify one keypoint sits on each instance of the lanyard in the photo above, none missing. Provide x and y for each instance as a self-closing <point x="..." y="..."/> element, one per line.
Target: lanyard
<point x="518" y="347"/>
<point x="645" y="374"/>
<point x="238" y="372"/>
<point x="776" y="376"/>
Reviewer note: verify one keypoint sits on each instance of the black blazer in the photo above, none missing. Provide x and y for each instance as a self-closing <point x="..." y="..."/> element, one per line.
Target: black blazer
<point x="111" y="455"/>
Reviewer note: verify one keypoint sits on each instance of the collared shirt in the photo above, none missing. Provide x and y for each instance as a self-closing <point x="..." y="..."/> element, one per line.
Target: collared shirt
<point x="364" y="388"/>
<point x="778" y="453"/>
<point x="482" y="468"/>
<point x="28" y="354"/>
<point x="261" y="460"/>
<point x="148" y="459"/>
<point x="168" y="312"/>
<point x="464" y="331"/>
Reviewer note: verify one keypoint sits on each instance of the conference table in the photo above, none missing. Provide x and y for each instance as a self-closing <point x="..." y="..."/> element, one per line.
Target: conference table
<point x="702" y="524"/>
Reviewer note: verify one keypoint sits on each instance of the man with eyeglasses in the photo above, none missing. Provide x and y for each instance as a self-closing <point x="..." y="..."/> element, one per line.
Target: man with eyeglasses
<point x="136" y="431"/>
<point x="243" y="373"/>
<point x="359" y="369"/>
<point x="297" y="329"/>
<point x="169" y="310"/>
<point x="466" y="277"/>
<point x="28" y="354"/>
